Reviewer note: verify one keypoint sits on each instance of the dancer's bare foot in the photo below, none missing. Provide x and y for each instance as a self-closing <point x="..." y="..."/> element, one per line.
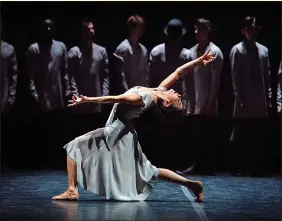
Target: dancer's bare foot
<point x="70" y="194"/>
<point x="198" y="190"/>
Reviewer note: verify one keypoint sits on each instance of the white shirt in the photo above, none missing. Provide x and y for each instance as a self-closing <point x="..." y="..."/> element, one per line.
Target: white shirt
<point x="134" y="64"/>
<point x="207" y="80"/>
<point x="250" y="77"/>
<point x="89" y="75"/>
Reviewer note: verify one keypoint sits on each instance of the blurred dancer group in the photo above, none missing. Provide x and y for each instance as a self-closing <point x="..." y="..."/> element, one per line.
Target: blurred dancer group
<point x="55" y="74"/>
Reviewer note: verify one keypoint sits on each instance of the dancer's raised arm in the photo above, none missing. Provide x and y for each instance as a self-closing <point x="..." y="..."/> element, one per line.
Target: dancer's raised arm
<point x="185" y="69"/>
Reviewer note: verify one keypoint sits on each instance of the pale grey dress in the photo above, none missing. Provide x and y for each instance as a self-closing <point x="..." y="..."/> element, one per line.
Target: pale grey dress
<point x="110" y="161"/>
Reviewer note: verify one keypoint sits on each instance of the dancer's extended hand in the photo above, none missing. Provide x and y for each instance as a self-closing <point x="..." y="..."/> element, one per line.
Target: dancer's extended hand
<point x="78" y="100"/>
<point x="208" y="57"/>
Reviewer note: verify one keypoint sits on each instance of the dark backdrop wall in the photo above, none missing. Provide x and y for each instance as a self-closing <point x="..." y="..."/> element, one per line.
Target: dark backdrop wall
<point x="19" y="20"/>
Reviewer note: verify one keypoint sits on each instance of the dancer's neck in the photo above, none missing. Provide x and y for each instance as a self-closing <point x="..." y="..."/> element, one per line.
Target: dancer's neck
<point x="204" y="43"/>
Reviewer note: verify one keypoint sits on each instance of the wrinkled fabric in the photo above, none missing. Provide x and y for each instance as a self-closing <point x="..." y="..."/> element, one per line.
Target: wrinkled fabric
<point x="89" y="75"/>
<point x="110" y="161"/>
<point x="207" y="80"/>
<point x="9" y="76"/>
<point x="134" y="68"/>
<point x="47" y="73"/>
<point x="250" y="76"/>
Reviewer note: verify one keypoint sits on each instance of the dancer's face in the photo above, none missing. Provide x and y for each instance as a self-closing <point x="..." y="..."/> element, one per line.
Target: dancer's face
<point x="137" y="32"/>
<point x="201" y="32"/>
<point x="46" y="29"/>
<point x="251" y="33"/>
<point x="88" y="31"/>
<point x="173" y="99"/>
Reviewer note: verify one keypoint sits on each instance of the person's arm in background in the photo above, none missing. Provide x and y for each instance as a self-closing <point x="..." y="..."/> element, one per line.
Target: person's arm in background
<point x="151" y="70"/>
<point x="12" y="78"/>
<point x="31" y="72"/>
<point x="120" y="58"/>
<point x="146" y="70"/>
<point x="216" y="68"/>
<point x="105" y="79"/>
<point x="65" y="77"/>
<point x="279" y="88"/>
<point x="188" y="100"/>
<point x="72" y="70"/>
<point x="235" y="60"/>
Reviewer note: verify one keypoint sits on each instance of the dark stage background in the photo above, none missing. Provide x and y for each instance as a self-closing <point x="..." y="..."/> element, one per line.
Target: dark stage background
<point x="31" y="140"/>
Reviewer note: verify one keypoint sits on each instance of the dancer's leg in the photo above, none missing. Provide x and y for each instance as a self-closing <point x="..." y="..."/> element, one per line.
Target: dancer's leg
<point x="72" y="192"/>
<point x="195" y="186"/>
<point x="72" y="176"/>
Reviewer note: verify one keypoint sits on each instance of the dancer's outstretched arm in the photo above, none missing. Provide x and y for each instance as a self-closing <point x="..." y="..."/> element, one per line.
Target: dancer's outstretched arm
<point x="185" y="69"/>
<point x="123" y="98"/>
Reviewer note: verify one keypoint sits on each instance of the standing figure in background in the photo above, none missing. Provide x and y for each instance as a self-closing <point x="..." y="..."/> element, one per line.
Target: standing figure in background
<point x="133" y="56"/>
<point x="277" y="134"/>
<point x="88" y="68"/>
<point x="49" y="87"/>
<point x="279" y="88"/>
<point x="9" y="76"/>
<point x="207" y="83"/>
<point x="250" y="75"/>
<point x="47" y="70"/>
<point x="166" y="57"/>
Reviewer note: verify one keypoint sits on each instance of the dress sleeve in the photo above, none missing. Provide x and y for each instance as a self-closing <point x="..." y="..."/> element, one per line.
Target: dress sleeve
<point x="147" y="99"/>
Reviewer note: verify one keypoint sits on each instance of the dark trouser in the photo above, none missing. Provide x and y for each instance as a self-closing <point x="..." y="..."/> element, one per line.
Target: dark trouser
<point x="275" y="137"/>
<point x="9" y="124"/>
<point x="46" y="133"/>
<point x="189" y="140"/>
<point x="249" y="147"/>
<point x="40" y="138"/>
<point x="24" y="140"/>
<point x="206" y="144"/>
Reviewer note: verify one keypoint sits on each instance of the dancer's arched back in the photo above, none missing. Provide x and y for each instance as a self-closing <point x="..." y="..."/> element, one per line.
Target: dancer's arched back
<point x="109" y="161"/>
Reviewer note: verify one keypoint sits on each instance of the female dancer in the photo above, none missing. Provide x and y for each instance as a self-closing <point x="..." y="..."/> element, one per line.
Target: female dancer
<point x="109" y="161"/>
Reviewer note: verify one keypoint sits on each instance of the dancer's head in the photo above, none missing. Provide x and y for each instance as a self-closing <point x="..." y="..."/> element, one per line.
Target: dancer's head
<point x="250" y="28"/>
<point x="46" y="30"/>
<point x="135" y="27"/>
<point x="87" y="30"/>
<point x="174" y="30"/>
<point x="170" y="102"/>
<point x="202" y="28"/>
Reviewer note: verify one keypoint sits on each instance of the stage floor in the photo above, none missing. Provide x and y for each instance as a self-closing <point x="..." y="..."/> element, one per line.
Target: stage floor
<point x="26" y="195"/>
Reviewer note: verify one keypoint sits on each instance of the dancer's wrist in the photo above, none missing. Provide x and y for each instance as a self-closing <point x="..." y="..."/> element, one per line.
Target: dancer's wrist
<point x="201" y="59"/>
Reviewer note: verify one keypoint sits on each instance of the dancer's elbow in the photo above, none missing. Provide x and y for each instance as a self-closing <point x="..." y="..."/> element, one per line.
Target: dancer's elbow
<point x="179" y="72"/>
